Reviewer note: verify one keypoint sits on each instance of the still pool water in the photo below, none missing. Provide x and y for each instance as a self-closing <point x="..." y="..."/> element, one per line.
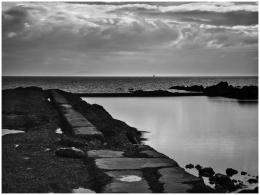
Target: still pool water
<point x="216" y="132"/>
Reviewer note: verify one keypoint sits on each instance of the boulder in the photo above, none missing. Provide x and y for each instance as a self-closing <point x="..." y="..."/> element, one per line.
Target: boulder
<point x="206" y="172"/>
<point x="198" y="167"/>
<point x="230" y="172"/>
<point x="189" y="166"/>
<point x="224" y="181"/>
<point x="252" y="180"/>
<point x="70" y="152"/>
<point x="243" y="173"/>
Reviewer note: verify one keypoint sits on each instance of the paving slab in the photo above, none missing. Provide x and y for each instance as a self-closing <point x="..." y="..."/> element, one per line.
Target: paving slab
<point x="80" y="125"/>
<point x="105" y="154"/>
<point x="133" y="163"/>
<point x="174" y="179"/>
<point x="87" y="132"/>
<point x="153" y="154"/>
<point x="130" y="181"/>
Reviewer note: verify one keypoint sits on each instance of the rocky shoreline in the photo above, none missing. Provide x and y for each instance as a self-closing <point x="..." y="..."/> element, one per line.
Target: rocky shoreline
<point x="56" y="155"/>
<point x="221" y="89"/>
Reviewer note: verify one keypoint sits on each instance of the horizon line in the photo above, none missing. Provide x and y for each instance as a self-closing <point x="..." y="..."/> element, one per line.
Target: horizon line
<point x="130" y="75"/>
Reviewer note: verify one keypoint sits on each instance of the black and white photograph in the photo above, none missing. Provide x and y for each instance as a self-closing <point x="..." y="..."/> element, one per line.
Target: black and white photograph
<point x="129" y="96"/>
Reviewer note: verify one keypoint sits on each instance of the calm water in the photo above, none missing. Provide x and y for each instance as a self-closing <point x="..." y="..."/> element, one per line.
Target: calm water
<point x="119" y="84"/>
<point x="216" y="132"/>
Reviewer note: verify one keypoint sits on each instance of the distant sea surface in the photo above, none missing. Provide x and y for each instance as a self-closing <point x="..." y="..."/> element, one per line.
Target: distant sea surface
<point x="119" y="84"/>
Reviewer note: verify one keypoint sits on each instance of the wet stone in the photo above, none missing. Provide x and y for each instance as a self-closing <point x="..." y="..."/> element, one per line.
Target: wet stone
<point x="173" y="179"/>
<point x="130" y="181"/>
<point x="105" y="154"/>
<point x="133" y="163"/>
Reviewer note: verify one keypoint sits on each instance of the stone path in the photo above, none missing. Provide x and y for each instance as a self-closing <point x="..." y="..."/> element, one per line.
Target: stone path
<point x="128" y="173"/>
<point x="80" y="126"/>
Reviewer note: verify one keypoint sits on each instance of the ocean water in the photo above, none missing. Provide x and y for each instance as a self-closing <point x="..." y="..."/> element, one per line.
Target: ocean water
<point x="118" y="84"/>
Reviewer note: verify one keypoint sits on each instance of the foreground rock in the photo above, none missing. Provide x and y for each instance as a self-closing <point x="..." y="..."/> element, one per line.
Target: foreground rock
<point x="223" y="181"/>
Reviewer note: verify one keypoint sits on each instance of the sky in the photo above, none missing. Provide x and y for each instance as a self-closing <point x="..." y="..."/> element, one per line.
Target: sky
<point x="129" y="39"/>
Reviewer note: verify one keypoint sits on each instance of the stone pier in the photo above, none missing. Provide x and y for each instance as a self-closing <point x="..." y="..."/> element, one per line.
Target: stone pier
<point x="80" y="126"/>
<point x="130" y="174"/>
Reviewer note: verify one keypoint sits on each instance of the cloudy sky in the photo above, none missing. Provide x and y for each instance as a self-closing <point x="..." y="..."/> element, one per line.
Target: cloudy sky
<point x="196" y="38"/>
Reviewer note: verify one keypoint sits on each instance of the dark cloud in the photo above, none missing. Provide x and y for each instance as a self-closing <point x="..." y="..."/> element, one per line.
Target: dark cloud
<point x="13" y="19"/>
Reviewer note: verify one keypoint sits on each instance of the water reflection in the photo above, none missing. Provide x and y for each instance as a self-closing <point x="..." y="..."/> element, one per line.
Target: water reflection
<point x="216" y="132"/>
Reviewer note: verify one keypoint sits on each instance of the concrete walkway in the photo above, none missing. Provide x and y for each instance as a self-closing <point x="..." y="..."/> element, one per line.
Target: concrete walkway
<point x="129" y="174"/>
<point x="80" y="126"/>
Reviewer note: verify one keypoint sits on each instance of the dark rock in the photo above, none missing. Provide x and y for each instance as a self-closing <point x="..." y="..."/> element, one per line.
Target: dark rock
<point x="230" y="172"/>
<point x="220" y="189"/>
<point x="198" y="167"/>
<point x="206" y="172"/>
<point x="224" y="90"/>
<point x="243" y="173"/>
<point x="224" y="181"/>
<point x="189" y="166"/>
<point x="252" y="180"/>
<point x="70" y="152"/>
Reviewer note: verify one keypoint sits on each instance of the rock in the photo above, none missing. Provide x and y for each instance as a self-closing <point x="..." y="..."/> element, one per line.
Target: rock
<point x="70" y="152"/>
<point x="189" y="166"/>
<point x="198" y="167"/>
<point x="243" y="173"/>
<point x="252" y="180"/>
<point x="220" y="189"/>
<point x="230" y="172"/>
<point x="224" y="181"/>
<point x="206" y="172"/>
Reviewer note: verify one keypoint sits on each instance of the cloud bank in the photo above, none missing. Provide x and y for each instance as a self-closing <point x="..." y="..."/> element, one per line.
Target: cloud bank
<point x="92" y="31"/>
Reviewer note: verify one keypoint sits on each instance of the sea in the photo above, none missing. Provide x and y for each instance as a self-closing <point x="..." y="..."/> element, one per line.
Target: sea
<point x="119" y="84"/>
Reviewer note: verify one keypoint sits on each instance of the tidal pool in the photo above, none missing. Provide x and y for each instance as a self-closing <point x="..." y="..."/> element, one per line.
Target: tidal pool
<point x="217" y="132"/>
